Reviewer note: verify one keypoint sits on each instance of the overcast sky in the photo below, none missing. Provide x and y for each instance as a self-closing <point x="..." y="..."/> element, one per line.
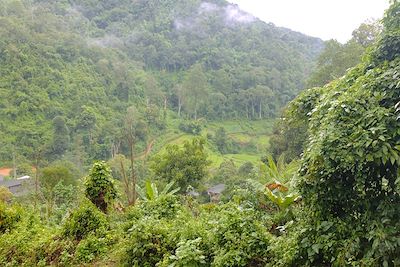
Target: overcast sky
<point x="327" y="19"/>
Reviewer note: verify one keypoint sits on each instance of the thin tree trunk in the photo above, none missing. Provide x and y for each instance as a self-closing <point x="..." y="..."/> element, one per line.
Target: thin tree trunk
<point x="126" y="182"/>
<point x="252" y="110"/>
<point x="179" y="106"/>
<point x="260" y="110"/>
<point x="133" y="176"/>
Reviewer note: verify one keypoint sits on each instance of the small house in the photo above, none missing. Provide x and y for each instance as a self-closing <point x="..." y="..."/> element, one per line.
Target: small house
<point x="215" y="192"/>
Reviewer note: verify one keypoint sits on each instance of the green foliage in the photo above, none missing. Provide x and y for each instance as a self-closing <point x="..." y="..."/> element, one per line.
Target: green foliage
<point x="279" y="170"/>
<point x="147" y="244"/>
<point x="184" y="166"/>
<point x="9" y="216"/>
<point x="291" y="132"/>
<point x="351" y="164"/>
<point x="188" y="253"/>
<point x="235" y="224"/>
<point x="282" y="201"/>
<point x="191" y="127"/>
<point x="165" y="206"/>
<point x="84" y="221"/>
<point x="99" y="186"/>
<point x="150" y="192"/>
<point x="5" y="194"/>
<point x="90" y="248"/>
<point x="56" y="173"/>
<point x="334" y="61"/>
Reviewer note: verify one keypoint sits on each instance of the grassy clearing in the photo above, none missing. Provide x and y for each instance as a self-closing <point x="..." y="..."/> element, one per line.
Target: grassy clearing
<point x="252" y="136"/>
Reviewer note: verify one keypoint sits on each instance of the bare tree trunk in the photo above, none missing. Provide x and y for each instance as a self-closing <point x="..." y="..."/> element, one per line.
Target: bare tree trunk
<point x="165" y="107"/>
<point x="179" y="106"/>
<point x="260" y="110"/>
<point x="126" y="182"/>
<point x="37" y="160"/>
<point x="252" y="109"/>
<point x="133" y="176"/>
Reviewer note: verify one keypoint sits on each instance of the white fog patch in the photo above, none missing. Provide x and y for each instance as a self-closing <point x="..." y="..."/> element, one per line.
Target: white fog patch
<point x="234" y="13"/>
<point x="206" y="7"/>
<point x="105" y="41"/>
<point x="231" y="15"/>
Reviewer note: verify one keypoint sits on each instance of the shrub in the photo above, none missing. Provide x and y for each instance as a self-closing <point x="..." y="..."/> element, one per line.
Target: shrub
<point x="90" y="248"/>
<point x="239" y="238"/>
<point x="191" y="127"/>
<point x="84" y="221"/>
<point x="8" y="217"/>
<point x="5" y="194"/>
<point x="148" y="242"/>
<point x="99" y="186"/>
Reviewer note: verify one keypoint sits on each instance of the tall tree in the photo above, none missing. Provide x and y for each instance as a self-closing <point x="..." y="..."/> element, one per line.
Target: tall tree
<point x="196" y="89"/>
<point x="61" y="140"/>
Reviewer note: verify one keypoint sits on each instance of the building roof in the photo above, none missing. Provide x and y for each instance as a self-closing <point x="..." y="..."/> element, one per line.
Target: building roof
<point x="18" y="187"/>
<point x="217" y="189"/>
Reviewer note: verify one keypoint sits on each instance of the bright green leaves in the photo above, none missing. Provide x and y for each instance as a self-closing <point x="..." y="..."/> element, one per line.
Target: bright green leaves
<point x="185" y="165"/>
<point x="281" y="200"/>
<point x="99" y="186"/>
<point x="150" y="191"/>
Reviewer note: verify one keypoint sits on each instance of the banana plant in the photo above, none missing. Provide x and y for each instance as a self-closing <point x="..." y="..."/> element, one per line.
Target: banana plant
<point x="281" y="200"/>
<point x="150" y="191"/>
<point x="278" y="170"/>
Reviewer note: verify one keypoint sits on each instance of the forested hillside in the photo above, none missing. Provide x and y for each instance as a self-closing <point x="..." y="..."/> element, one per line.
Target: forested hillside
<point x="328" y="197"/>
<point x="69" y="71"/>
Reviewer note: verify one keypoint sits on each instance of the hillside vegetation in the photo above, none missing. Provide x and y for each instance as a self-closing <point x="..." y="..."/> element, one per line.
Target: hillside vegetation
<point x="69" y="71"/>
<point x="194" y="202"/>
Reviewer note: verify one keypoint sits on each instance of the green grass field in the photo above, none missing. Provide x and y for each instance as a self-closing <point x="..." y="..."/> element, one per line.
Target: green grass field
<point x="252" y="136"/>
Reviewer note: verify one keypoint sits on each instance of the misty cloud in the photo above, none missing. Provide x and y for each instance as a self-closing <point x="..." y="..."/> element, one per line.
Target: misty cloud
<point x="206" y="7"/>
<point x="231" y="15"/>
<point x="106" y="41"/>
<point x="234" y="13"/>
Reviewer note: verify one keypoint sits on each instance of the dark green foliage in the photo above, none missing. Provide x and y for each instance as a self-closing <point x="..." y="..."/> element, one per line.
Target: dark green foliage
<point x="99" y="186"/>
<point x="166" y="206"/>
<point x="67" y="68"/>
<point x="235" y="224"/>
<point x="185" y="165"/>
<point x="291" y="132"/>
<point x="220" y="140"/>
<point x="58" y="172"/>
<point x="191" y="127"/>
<point x="246" y="168"/>
<point x="349" y="175"/>
<point x="61" y="140"/>
<point x="224" y="143"/>
<point x="84" y="221"/>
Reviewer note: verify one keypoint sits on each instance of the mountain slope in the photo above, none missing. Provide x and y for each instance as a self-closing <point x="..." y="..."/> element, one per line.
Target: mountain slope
<point x="87" y="61"/>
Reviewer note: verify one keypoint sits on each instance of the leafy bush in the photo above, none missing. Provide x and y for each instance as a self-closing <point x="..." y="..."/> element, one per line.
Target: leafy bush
<point x="84" y="221"/>
<point x="186" y="165"/>
<point x="239" y="238"/>
<point x="9" y="216"/>
<point x="91" y="247"/>
<point x="188" y="253"/>
<point x="350" y="169"/>
<point x="5" y="194"/>
<point x="99" y="186"/>
<point x="148" y="242"/>
<point x="191" y="127"/>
